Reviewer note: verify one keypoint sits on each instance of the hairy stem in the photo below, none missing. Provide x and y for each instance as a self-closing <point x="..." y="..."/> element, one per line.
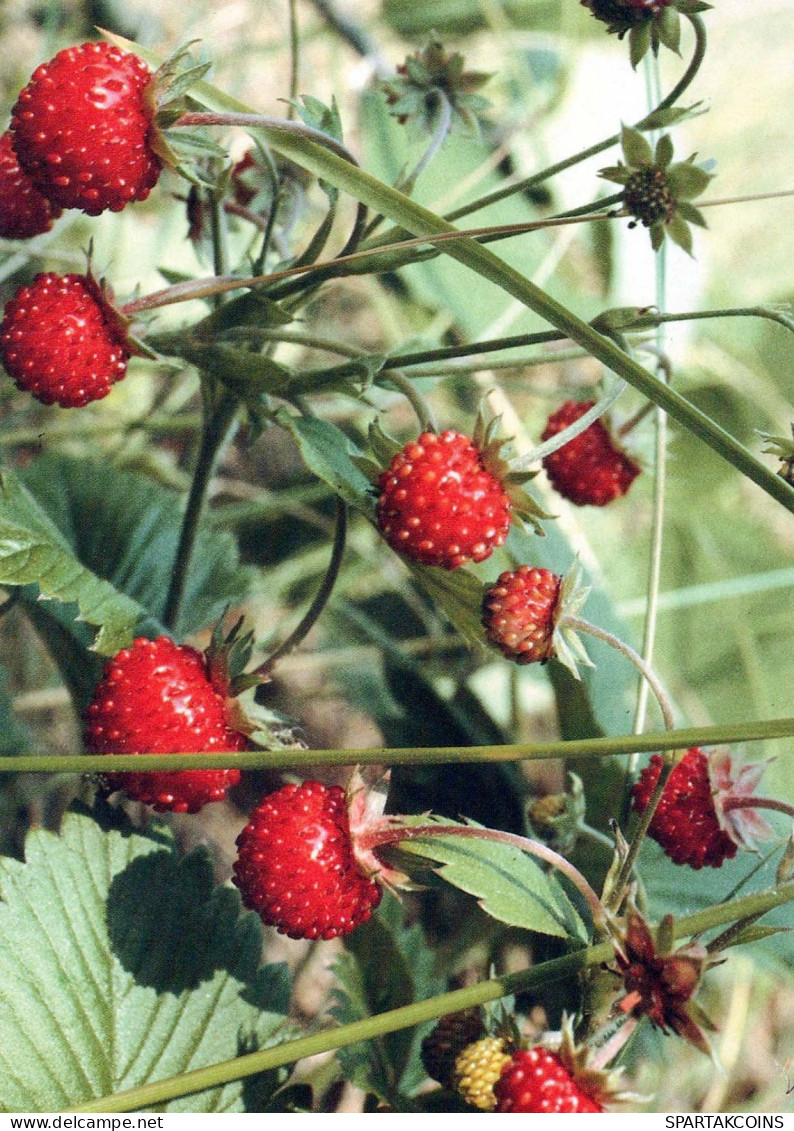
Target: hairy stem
<point x="600" y="747"/>
<point x="634" y="657"/>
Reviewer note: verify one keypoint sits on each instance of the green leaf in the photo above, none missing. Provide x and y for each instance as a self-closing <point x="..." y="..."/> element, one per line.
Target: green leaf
<point x="328" y="454"/>
<point x="125" y="528"/>
<point x="120" y="964"/>
<point x="458" y="594"/>
<point x="33" y="551"/>
<point x="385" y="965"/>
<point x="509" y="884"/>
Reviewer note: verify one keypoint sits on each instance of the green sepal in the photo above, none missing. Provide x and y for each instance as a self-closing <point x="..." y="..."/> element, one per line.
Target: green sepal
<point x="687" y="180"/>
<point x="664" y="151"/>
<point x="667" y="29"/>
<point x="679" y="232"/>
<point x="640" y="39"/>
<point x="636" y="148"/>
<point x="691" y="214"/>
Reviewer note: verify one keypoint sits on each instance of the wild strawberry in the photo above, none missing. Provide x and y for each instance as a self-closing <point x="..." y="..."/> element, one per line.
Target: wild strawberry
<point x="24" y="212"/>
<point x="62" y="340"/>
<point x="440" y="505"/>
<point x="82" y="129"/>
<point x="703" y="816"/>
<point x="297" y="865"/>
<point x="527" y="615"/>
<point x="520" y="612"/>
<point x="477" y="1069"/>
<point x="536" y="1081"/>
<point x="592" y="469"/>
<point x="158" y="697"/>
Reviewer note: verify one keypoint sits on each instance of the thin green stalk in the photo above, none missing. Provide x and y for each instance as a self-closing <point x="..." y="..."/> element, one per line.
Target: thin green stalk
<point x="294" y="57"/>
<point x="408" y="1016"/>
<point x="601" y="747"/>
<point x="219" y="423"/>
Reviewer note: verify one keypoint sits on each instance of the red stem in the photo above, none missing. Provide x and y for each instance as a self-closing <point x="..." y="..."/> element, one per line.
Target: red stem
<point x="758" y="803"/>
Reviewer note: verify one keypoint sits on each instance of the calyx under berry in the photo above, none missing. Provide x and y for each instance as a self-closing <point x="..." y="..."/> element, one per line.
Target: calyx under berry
<point x="428" y="80"/>
<point x="649" y="24"/>
<point x="659" y="981"/>
<point x="657" y="192"/>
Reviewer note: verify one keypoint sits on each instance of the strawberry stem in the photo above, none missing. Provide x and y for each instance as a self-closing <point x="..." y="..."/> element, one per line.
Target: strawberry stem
<point x="645" y="670"/>
<point x="218" y="425"/>
<point x="757" y="803"/>
<point x="310" y="618"/>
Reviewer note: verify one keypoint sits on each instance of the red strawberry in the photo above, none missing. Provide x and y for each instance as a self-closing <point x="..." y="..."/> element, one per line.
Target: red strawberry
<point x="24" y="212"/>
<point x="694" y="821"/>
<point x="536" y="1081"/>
<point x="297" y="865"/>
<point x="157" y="697"/>
<point x="520" y="613"/>
<point x="440" y="505"/>
<point x="82" y="129"/>
<point x="62" y="341"/>
<point x="592" y="469"/>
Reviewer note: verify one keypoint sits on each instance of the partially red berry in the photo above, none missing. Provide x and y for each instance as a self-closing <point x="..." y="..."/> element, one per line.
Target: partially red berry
<point x="685" y="823"/>
<point x="592" y="469"/>
<point x="520" y="612"/>
<point x="536" y="1081"/>
<point x="440" y="505"/>
<point x="24" y="212"/>
<point x="157" y="697"/>
<point x="82" y="127"/>
<point x="297" y="866"/>
<point x="60" y="340"/>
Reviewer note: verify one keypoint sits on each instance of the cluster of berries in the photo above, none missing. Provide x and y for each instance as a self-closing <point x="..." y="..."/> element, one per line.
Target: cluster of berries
<point x="500" y="1073"/>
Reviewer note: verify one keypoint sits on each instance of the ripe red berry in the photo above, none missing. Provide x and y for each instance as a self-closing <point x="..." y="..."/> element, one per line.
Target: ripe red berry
<point x="297" y="866"/>
<point x="24" y="212"/>
<point x="82" y="126"/>
<point x="157" y="697"/>
<point x="685" y="823"/>
<point x="592" y="469"/>
<point x="520" y="612"/>
<point x="536" y="1081"/>
<point x="61" y="341"/>
<point x="440" y="505"/>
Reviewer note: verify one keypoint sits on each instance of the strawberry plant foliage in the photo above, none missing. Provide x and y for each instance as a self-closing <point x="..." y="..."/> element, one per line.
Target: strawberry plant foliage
<point x="386" y="964"/>
<point x="150" y="970"/>
<point x="509" y="885"/>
